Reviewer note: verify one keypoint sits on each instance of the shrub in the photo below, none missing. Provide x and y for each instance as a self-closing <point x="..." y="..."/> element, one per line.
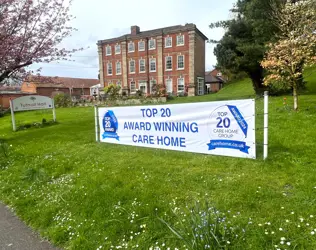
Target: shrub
<point x="112" y="91"/>
<point x="62" y="100"/>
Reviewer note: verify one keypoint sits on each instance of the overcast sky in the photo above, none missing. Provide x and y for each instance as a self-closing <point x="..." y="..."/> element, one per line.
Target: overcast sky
<point x="103" y="19"/>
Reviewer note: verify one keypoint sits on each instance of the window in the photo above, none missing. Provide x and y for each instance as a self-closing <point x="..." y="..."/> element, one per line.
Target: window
<point x="141" y="46"/>
<point x="118" y="83"/>
<point x="142" y="68"/>
<point x="143" y="86"/>
<point x="131" y="47"/>
<point x="152" y="65"/>
<point x="152" y="44"/>
<point x="180" y="40"/>
<point x="118" y="68"/>
<point x="169" y="85"/>
<point x="153" y="86"/>
<point x="117" y="49"/>
<point x="180" y="85"/>
<point x="133" y="88"/>
<point x="109" y="67"/>
<point x="132" y="66"/>
<point x="181" y="62"/>
<point x="168" y="42"/>
<point x="200" y="82"/>
<point x="108" y="50"/>
<point x="168" y="62"/>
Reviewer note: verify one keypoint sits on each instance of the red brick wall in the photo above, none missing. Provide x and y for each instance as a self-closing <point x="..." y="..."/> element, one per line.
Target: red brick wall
<point x="28" y="87"/>
<point x="199" y="62"/>
<point x="5" y="99"/>
<point x="49" y="92"/>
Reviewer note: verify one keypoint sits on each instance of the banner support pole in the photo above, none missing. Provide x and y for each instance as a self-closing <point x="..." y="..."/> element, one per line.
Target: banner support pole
<point x="265" y="125"/>
<point x="54" y="111"/>
<point x="12" y="115"/>
<point x="96" y="123"/>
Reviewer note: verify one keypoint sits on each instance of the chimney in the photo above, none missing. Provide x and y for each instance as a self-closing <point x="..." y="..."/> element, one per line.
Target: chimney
<point x="135" y="30"/>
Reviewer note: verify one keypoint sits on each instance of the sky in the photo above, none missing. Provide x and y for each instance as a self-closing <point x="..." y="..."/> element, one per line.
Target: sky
<point x="104" y="19"/>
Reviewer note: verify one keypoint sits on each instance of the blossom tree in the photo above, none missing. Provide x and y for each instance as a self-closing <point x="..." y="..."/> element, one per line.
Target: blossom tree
<point x="296" y="45"/>
<point x="30" y="32"/>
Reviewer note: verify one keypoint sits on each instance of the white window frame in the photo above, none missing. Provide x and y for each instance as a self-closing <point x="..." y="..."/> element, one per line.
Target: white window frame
<point x="178" y="62"/>
<point x="169" y="80"/>
<point x="139" y="47"/>
<point x="142" y="83"/>
<point x="118" y="63"/>
<point x="117" y="51"/>
<point x="166" y="38"/>
<point x="108" y="50"/>
<point x="151" y="83"/>
<point x="144" y="65"/>
<point x="200" y="83"/>
<point x="129" y="50"/>
<point x="108" y="68"/>
<point x="150" y="61"/>
<point x="180" y="91"/>
<point x="178" y="43"/>
<point x="129" y="67"/>
<point x="152" y="40"/>
<point x="130" y="85"/>
<point x="166" y="60"/>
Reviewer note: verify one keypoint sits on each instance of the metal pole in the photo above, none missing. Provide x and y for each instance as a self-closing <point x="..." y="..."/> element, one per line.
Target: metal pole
<point x="54" y="111"/>
<point x="12" y="115"/>
<point x="265" y="125"/>
<point x="96" y="123"/>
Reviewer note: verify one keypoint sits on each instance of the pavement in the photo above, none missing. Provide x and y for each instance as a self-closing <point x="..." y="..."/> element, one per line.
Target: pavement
<point x="15" y="235"/>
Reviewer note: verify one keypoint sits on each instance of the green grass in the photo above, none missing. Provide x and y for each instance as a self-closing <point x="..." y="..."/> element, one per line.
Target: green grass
<point x="242" y="90"/>
<point x="82" y="195"/>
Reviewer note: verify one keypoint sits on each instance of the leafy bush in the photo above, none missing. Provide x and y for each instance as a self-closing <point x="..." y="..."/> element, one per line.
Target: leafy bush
<point x="42" y="124"/>
<point x="112" y="91"/>
<point x="159" y="90"/>
<point x="62" y="100"/>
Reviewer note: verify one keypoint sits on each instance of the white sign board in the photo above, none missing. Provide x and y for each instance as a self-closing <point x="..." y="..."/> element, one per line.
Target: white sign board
<point x="32" y="102"/>
<point x="224" y="128"/>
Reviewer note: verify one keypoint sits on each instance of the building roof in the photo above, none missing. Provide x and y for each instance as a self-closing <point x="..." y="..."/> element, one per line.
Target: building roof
<point x="62" y="82"/>
<point x="156" y="32"/>
<point x="213" y="79"/>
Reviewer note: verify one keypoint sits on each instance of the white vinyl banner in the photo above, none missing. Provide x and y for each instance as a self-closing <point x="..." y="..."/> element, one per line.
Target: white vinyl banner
<point x="219" y="128"/>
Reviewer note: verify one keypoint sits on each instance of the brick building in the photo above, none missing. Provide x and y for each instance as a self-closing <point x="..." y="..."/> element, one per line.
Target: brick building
<point x="173" y="57"/>
<point x="8" y="93"/>
<point x="50" y="86"/>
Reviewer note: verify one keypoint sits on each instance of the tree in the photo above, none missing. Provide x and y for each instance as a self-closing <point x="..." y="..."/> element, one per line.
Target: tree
<point x="30" y="31"/>
<point x="243" y="44"/>
<point x="296" y="47"/>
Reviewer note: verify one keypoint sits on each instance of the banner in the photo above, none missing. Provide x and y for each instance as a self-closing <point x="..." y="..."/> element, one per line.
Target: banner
<point x="224" y="128"/>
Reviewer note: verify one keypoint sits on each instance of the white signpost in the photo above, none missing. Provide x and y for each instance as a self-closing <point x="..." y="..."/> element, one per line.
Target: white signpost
<point x="31" y="102"/>
<point x="224" y="128"/>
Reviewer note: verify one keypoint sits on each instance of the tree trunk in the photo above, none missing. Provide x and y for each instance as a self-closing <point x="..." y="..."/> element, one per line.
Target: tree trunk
<point x="295" y="97"/>
<point x="256" y="77"/>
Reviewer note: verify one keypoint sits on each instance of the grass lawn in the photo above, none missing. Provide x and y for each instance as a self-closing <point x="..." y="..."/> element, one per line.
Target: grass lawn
<point x="86" y="195"/>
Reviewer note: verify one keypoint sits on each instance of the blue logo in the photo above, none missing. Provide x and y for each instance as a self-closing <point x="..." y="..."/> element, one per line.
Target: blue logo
<point x="223" y="129"/>
<point x="239" y="145"/>
<point x="110" y="125"/>
<point x="239" y="118"/>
